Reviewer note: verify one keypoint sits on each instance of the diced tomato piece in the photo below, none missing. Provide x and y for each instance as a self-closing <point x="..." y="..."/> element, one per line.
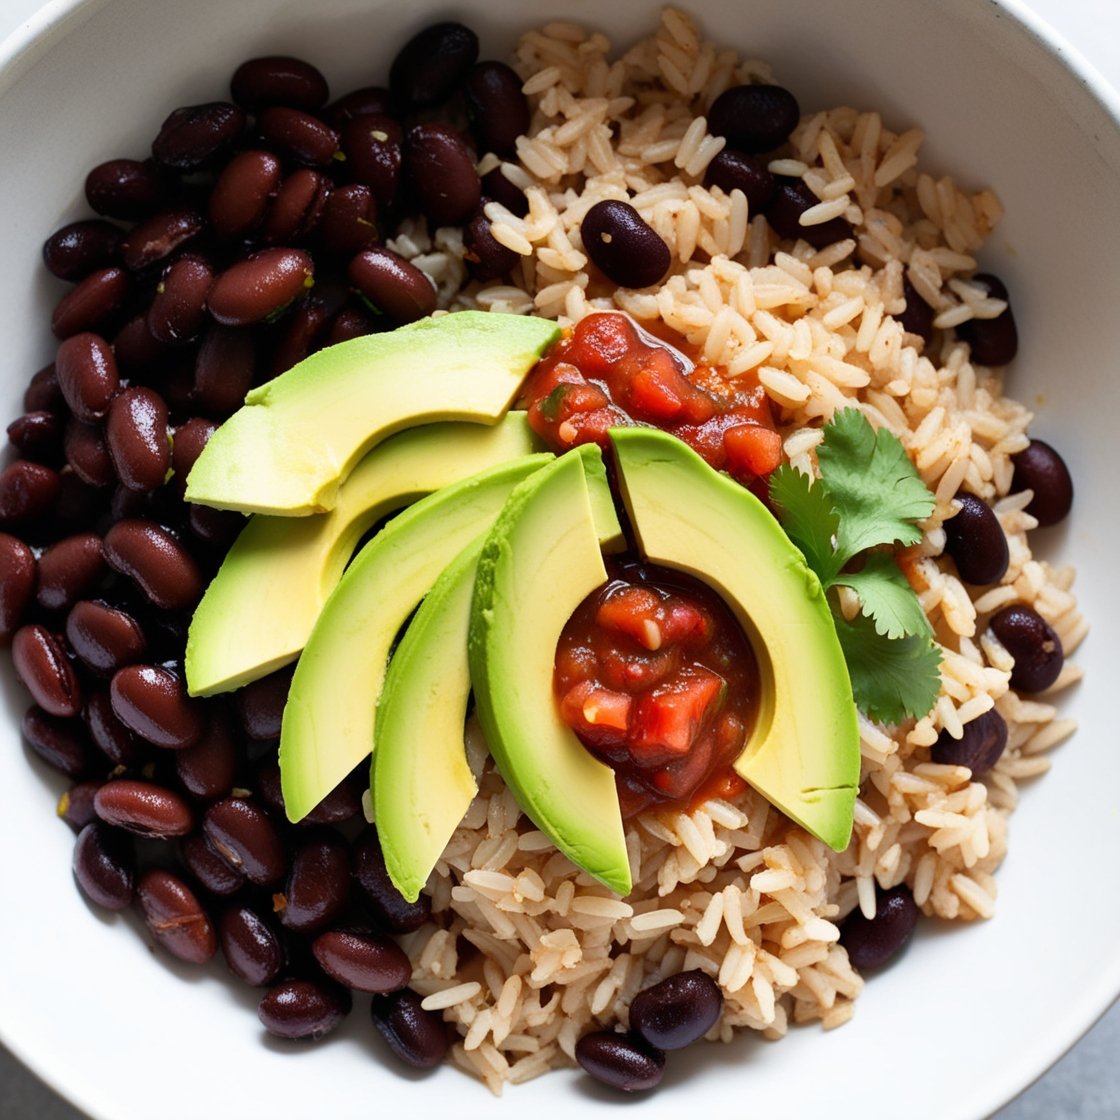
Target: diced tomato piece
<point x="599" y="716"/>
<point x="599" y="341"/>
<point x="635" y="672"/>
<point x="633" y="611"/>
<point x="752" y="450"/>
<point x="668" y="718"/>
<point x="685" y="623"/>
<point x="654" y="389"/>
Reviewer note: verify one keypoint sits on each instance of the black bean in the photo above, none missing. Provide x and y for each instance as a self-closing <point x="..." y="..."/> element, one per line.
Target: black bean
<point x="77" y="507"/>
<point x="871" y="942"/>
<point x="87" y="375"/>
<point x="41" y="663"/>
<point x="216" y="527"/>
<point x="105" y="866"/>
<point x="261" y="286"/>
<point x="496" y="186"/>
<point x="361" y="961"/>
<point x="1041" y="469"/>
<point x="677" y="1011"/>
<point x="373" y="148"/>
<point x="917" y="316"/>
<point x="224" y="371"/>
<point x="27" y="492"/>
<point x="278" y="80"/>
<point x="208" y="768"/>
<point x="298" y="135"/>
<point x="364" y="102"/>
<point x="442" y="173"/>
<point x="178" y="310"/>
<point x="791" y="200"/>
<point x="416" y="1036"/>
<point x="303" y="1008"/>
<point x="92" y="303"/>
<point x="136" y="349"/>
<point x="60" y="742"/>
<point x="158" y="563"/>
<point x="318" y="883"/>
<point x="353" y="321"/>
<point x="18" y="575"/>
<point x="735" y="170"/>
<point x="209" y="869"/>
<point x="137" y="437"/>
<point x="75" y="806"/>
<point x="499" y="111"/>
<point x="156" y="238"/>
<point x="152" y="701"/>
<point x="392" y="285"/>
<point x="1031" y="641"/>
<point x="143" y="808"/>
<point x="486" y="258"/>
<point x="754" y="118"/>
<point x="38" y="436"/>
<point x="127" y="189"/>
<point x="87" y="453"/>
<point x="348" y="223"/>
<point x="992" y="342"/>
<point x="975" y="540"/>
<point x="103" y="638"/>
<point x="433" y="64"/>
<point x="175" y="917"/>
<point x="197" y="135"/>
<point x="622" y="246"/>
<point x="77" y="249"/>
<point x="244" y="835"/>
<point x="296" y="208"/>
<point x="343" y="803"/>
<point x="115" y="741"/>
<point x="623" y="1061"/>
<point x="239" y="198"/>
<point x="979" y="748"/>
<point x="393" y="911"/>
<point x="43" y="393"/>
<point x="69" y="569"/>
<point x="251" y="946"/>
<point x="260" y="704"/>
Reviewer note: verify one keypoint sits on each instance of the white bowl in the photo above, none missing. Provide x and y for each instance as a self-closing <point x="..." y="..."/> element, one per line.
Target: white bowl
<point x="968" y="1016"/>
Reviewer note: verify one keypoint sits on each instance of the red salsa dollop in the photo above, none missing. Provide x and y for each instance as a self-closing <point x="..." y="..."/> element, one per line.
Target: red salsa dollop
<point x="609" y="372"/>
<point x="657" y="679"/>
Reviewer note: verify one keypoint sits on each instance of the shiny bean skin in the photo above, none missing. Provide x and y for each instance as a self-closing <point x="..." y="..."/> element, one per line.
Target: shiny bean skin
<point x="348" y="223"/>
<point x="38" y="436"/>
<point x="87" y="453"/>
<point x="297" y="207"/>
<point x="979" y="748"/>
<point x="137" y="436"/>
<point x="195" y="135"/>
<point x="91" y="303"/>
<point x="69" y="570"/>
<point x="244" y="835"/>
<point x="975" y="540"/>
<point x="75" y="806"/>
<point x="343" y="803"/>
<point x="87" y="375"/>
<point x="143" y="808"/>
<point x="872" y="942"/>
<point x="623" y="1061"/>
<point x="278" y="80"/>
<point x="190" y="438"/>
<point x="152" y="701"/>
<point x="103" y="638"/>
<point x="735" y="170"/>
<point x="148" y="554"/>
<point x="499" y="111"/>
<point x="115" y="741"/>
<point x="253" y="950"/>
<point x="497" y="187"/>
<point x="178" y="310"/>
<point x="394" y="912"/>
<point x="127" y="189"/>
<point x="240" y="196"/>
<point x="992" y="342"/>
<point x="433" y="64"/>
<point x="373" y="146"/>
<point x="298" y="135"/>
<point x="18" y="575"/>
<point x="392" y="285"/>
<point x="622" y="246"/>
<point x="105" y="866"/>
<point x="175" y="917"/>
<point x="1041" y="469"/>
<point x="260" y="286"/>
<point x="318" y="883"/>
<point x="416" y="1036"/>
<point x="208" y="768"/>
<point x="303" y="1008"/>
<point x="224" y="369"/>
<point x="59" y="742"/>
<point x="362" y="962"/>
<point x="917" y="316"/>
<point x="754" y="118"/>
<point x="155" y="239"/>
<point x="260" y="704"/>
<point x="352" y="321"/>
<point x="792" y="198"/>
<point x="486" y="258"/>
<point x="41" y="663"/>
<point x="208" y="868"/>
<point x="442" y="173"/>
<point x="677" y="1011"/>
<point x="77" y="249"/>
<point x="364" y="102"/>
<point x="1030" y="639"/>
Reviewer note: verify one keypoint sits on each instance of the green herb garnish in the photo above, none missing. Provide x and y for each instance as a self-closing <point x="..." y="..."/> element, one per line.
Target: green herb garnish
<point x="869" y="495"/>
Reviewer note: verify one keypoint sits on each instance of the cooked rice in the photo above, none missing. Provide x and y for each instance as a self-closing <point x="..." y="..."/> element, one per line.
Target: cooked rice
<point x="525" y="952"/>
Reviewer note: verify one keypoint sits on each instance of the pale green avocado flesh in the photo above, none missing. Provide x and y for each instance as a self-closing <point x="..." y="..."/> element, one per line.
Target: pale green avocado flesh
<point x="298" y="436"/>
<point x="260" y="608"/>
<point x="328" y="724"/>
<point x="541" y="559"/>
<point x="803" y="754"/>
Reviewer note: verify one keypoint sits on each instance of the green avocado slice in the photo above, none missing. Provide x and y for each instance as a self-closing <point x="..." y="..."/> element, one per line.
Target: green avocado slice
<point x="328" y="724"/>
<point x="540" y="561"/>
<point x="260" y="608"/>
<point x="803" y="754"/>
<point x="297" y="437"/>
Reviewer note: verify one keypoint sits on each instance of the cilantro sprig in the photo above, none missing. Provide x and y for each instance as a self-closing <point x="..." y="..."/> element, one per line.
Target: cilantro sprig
<point x="868" y="499"/>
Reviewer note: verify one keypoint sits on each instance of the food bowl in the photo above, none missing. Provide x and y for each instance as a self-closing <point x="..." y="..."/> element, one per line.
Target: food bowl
<point x="970" y="1014"/>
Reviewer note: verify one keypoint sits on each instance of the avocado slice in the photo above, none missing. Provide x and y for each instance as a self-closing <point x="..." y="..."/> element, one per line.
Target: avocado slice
<point x="540" y="561"/>
<point x="264" y="601"/>
<point x="298" y="436"/>
<point x="328" y="725"/>
<point x="803" y="754"/>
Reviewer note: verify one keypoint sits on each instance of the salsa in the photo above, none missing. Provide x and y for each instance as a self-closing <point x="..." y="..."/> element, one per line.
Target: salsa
<point x="657" y="679"/>
<point x="609" y="372"/>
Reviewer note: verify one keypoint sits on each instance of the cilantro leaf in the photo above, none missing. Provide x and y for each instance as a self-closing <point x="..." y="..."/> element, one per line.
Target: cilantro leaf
<point x="872" y="484"/>
<point x="808" y="517"/>
<point x="891" y="678"/>
<point x="886" y="597"/>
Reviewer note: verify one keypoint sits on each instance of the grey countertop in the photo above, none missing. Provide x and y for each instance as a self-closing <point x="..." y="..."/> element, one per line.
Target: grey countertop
<point x="1085" y="1084"/>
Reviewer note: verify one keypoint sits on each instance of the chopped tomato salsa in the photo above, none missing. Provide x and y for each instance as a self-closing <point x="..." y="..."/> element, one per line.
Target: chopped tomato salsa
<point x="609" y="372"/>
<point x="657" y="679"/>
